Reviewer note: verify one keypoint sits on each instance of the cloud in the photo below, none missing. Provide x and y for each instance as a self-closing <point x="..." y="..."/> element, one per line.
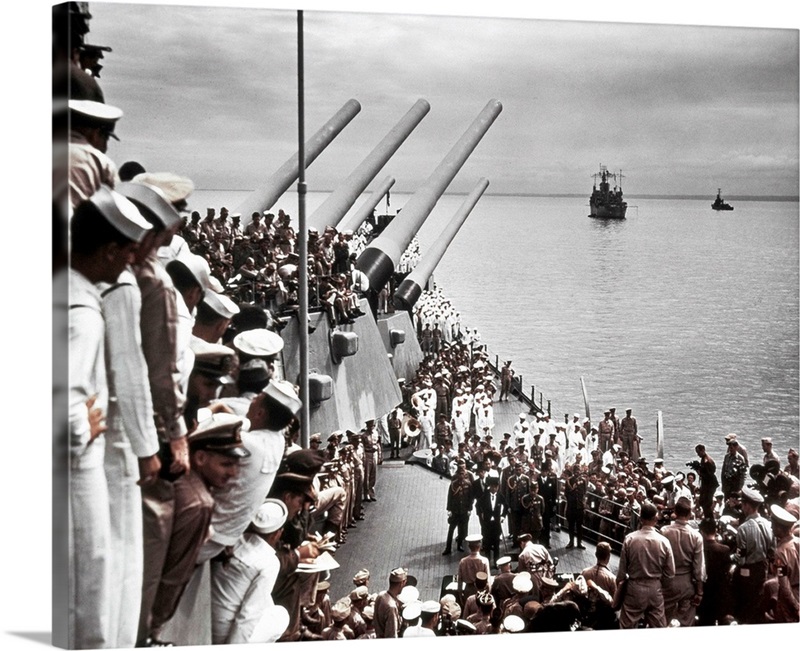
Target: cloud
<point x="218" y="89"/>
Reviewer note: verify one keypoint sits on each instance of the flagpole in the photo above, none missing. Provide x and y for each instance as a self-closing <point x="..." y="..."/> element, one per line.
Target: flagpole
<point x="302" y="242"/>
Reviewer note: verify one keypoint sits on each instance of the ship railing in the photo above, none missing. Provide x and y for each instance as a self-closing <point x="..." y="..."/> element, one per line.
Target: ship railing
<point x="528" y="397"/>
<point x="597" y="526"/>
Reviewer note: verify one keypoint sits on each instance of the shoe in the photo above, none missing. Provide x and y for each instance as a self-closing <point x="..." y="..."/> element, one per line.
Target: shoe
<point x="352" y="525"/>
<point x="360" y="517"/>
<point x="460" y="548"/>
<point x="570" y="545"/>
<point x="446" y="552"/>
<point x="581" y="546"/>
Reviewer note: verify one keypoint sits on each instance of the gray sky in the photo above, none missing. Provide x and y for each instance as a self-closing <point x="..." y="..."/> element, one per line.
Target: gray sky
<point x="211" y="93"/>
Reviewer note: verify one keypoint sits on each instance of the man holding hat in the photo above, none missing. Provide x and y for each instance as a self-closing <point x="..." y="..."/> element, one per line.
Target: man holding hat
<point x="755" y="547"/>
<point x="216" y="449"/>
<point x="105" y="231"/>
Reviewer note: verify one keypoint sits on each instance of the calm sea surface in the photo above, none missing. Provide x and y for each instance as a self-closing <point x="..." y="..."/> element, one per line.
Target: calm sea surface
<point x="677" y="308"/>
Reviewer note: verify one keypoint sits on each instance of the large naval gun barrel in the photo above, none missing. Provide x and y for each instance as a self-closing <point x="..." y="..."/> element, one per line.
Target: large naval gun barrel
<point x="361" y="215"/>
<point x="340" y="200"/>
<point x="379" y="259"/>
<point x="265" y="197"/>
<point x="407" y="293"/>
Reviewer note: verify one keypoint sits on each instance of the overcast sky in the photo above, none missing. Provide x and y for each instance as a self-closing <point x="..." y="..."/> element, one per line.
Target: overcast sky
<point x="211" y="93"/>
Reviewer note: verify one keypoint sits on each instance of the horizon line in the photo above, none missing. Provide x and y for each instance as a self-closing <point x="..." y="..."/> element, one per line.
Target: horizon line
<point x="570" y="195"/>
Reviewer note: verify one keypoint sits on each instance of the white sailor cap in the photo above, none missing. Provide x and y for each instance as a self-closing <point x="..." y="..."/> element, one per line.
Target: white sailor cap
<point x="151" y="201"/>
<point x="522" y="583"/>
<point x="259" y="342"/>
<point x="503" y="560"/>
<point x="473" y="538"/>
<point x="466" y="625"/>
<point x="782" y="515"/>
<point x="121" y="213"/>
<point x="221" y="304"/>
<point x="513" y="623"/>
<point x="412" y="611"/>
<point x="198" y="267"/>
<point x="408" y="595"/>
<point x="282" y="393"/>
<point x="270" y="517"/>
<point x="430" y="607"/>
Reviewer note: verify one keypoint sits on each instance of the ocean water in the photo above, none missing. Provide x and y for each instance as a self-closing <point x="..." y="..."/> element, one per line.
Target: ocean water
<point x="677" y="308"/>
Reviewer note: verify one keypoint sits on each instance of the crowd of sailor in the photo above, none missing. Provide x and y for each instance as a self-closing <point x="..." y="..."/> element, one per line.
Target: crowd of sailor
<point x="257" y="263"/>
<point x="179" y="428"/>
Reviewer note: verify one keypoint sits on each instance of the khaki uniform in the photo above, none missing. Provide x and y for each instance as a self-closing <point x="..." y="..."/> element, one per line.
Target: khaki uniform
<point x="690" y="572"/>
<point x="646" y="560"/>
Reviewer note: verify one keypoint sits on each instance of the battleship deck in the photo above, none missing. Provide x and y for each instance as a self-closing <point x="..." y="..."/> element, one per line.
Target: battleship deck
<point x="407" y="526"/>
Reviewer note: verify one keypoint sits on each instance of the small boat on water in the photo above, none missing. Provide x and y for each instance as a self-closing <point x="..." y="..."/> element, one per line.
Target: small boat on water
<point x="719" y="203"/>
<point x="606" y="202"/>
